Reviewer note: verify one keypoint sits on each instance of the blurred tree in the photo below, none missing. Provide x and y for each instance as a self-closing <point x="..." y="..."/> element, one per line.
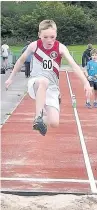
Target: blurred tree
<point x="74" y="20"/>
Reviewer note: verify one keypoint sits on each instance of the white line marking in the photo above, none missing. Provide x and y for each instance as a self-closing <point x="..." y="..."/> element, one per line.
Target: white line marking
<point x="45" y="180"/>
<point x="84" y="149"/>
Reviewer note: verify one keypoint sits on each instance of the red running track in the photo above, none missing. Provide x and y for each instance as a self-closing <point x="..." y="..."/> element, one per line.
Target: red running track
<point x="54" y="163"/>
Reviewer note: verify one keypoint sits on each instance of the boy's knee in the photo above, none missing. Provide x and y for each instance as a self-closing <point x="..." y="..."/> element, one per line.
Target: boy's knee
<point x="43" y="83"/>
<point x="54" y="123"/>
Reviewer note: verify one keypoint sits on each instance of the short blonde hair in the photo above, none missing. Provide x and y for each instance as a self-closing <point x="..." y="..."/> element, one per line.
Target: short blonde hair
<point x="45" y="24"/>
<point x="94" y="51"/>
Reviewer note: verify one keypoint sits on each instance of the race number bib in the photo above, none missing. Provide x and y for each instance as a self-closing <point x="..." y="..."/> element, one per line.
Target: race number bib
<point x="48" y="64"/>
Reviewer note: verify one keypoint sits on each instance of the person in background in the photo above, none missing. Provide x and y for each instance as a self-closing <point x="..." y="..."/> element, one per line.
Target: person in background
<point x="27" y="62"/>
<point x="4" y="54"/>
<point x="91" y="74"/>
<point x="86" y="55"/>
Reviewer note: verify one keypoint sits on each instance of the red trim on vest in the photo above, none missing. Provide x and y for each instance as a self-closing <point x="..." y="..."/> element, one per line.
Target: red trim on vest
<point x="38" y="57"/>
<point x="48" y="52"/>
<point x="56" y="71"/>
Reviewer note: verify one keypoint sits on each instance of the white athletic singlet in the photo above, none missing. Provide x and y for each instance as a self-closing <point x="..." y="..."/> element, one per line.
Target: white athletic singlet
<point x="46" y="62"/>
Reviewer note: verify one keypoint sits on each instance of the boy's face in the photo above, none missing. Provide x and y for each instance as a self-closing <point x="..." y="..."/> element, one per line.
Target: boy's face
<point x="48" y="37"/>
<point x="94" y="57"/>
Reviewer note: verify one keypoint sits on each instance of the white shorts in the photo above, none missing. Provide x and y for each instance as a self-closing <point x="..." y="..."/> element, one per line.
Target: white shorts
<point x="52" y="94"/>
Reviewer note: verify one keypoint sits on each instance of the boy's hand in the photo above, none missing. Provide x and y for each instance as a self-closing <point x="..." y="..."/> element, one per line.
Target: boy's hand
<point x="8" y="83"/>
<point x="88" y="89"/>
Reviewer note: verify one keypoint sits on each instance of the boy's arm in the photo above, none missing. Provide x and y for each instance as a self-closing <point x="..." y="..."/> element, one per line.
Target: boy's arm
<point x="65" y="53"/>
<point x="31" y="48"/>
<point x="86" y="70"/>
<point x="86" y="73"/>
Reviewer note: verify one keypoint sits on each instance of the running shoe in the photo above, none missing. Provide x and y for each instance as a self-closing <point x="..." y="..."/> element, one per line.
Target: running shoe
<point x="95" y="104"/>
<point x="39" y="125"/>
<point x="88" y="105"/>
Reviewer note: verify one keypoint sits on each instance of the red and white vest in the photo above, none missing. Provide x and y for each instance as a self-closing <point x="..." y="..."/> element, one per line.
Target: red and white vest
<point x="46" y="59"/>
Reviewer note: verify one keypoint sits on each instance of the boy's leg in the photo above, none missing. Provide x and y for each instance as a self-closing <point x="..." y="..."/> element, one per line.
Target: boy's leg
<point x="52" y="116"/>
<point x="40" y="87"/>
<point x="52" y="106"/>
<point x="88" y="100"/>
<point x="95" y="95"/>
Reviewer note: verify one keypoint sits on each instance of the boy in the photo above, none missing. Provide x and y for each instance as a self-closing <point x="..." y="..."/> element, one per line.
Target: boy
<point x="91" y="74"/>
<point x="44" y="84"/>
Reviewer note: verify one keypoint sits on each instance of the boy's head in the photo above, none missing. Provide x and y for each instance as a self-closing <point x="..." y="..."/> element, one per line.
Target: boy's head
<point x="47" y="33"/>
<point x="89" y="46"/>
<point x="94" y="54"/>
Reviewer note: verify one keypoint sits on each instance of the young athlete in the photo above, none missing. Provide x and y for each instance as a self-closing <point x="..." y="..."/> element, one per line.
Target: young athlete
<point x="44" y="84"/>
<point x="91" y="74"/>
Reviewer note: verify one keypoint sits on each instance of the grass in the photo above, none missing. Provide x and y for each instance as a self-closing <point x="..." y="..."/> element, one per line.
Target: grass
<point x="16" y="50"/>
<point x="76" y="51"/>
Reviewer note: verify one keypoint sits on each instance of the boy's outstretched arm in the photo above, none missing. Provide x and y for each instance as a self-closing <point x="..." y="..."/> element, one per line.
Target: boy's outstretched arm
<point x="65" y="53"/>
<point x="86" y="73"/>
<point x="31" y="48"/>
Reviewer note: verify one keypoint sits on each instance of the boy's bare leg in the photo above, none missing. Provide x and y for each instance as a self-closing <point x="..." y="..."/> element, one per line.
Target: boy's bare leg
<point x="95" y="99"/>
<point x="40" y="88"/>
<point x="52" y="116"/>
<point x="88" y="102"/>
<point x="95" y="95"/>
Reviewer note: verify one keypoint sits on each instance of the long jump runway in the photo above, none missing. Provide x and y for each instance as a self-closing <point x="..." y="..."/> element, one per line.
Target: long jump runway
<point x="65" y="160"/>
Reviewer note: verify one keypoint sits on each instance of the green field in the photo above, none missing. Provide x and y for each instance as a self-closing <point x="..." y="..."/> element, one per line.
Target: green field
<point x="76" y="51"/>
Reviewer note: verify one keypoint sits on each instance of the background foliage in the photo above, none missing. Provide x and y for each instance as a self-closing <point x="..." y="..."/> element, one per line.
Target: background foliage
<point x="76" y="21"/>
